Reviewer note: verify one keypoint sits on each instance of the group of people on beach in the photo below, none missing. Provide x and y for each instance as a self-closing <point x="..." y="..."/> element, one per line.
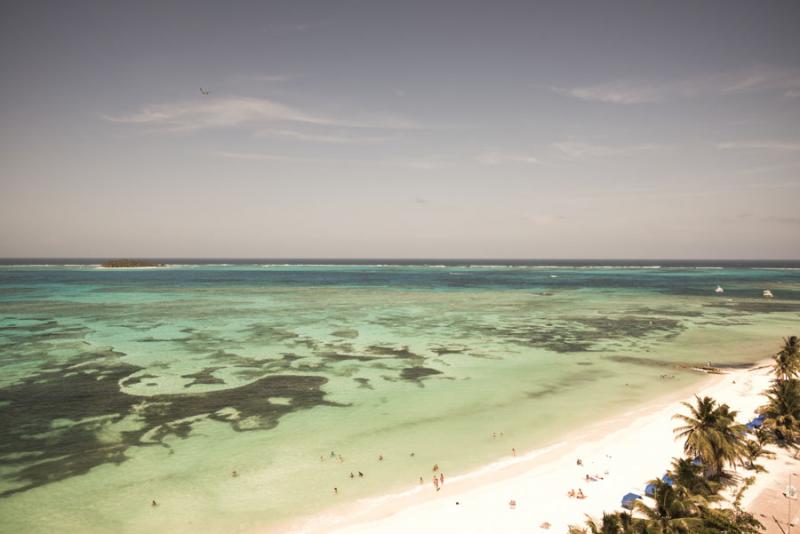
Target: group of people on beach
<point x="438" y="475"/>
<point x="337" y="457"/>
<point x="438" y="478"/>
<point x="576" y="494"/>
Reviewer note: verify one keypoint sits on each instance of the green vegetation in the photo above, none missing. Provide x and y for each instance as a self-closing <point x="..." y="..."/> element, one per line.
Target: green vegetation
<point x="712" y="435"/>
<point x="130" y="263"/>
<point x="715" y="441"/>
<point x="782" y="411"/>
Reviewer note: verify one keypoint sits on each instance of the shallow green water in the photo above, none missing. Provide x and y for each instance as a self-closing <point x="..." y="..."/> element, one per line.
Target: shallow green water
<point x="124" y="386"/>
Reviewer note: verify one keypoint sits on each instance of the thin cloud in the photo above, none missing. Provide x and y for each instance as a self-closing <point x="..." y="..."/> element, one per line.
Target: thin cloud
<point x="232" y="111"/>
<point x="579" y="150"/>
<point x="543" y="219"/>
<point x="781" y="219"/>
<point x="321" y="137"/>
<point x="631" y="91"/>
<point x="620" y="92"/>
<point x="277" y="78"/>
<point x="217" y="112"/>
<point x="500" y="158"/>
<point x="250" y="156"/>
<point x="778" y="146"/>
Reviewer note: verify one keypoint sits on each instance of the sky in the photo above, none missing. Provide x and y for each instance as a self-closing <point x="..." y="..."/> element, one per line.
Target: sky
<point x="413" y="129"/>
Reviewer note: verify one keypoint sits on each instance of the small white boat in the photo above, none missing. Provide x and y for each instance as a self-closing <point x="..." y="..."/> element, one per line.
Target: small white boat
<point x="768" y="294"/>
<point x="719" y="290"/>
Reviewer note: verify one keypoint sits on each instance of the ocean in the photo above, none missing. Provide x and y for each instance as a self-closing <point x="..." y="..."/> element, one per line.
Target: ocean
<point x="237" y="394"/>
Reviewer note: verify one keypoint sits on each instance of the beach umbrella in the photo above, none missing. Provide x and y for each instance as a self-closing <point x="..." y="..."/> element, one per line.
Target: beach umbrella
<point x="755" y="423"/>
<point x="629" y="499"/>
<point x="649" y="491"/>
<point x="666" y="479"/>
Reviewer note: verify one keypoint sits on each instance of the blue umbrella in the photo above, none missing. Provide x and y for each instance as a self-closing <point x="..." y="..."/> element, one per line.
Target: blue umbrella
<point x="666" y="479"/>
<point x="650" y="490"/>
<point x="756" y="423"/>
<point x="629" y="499"/>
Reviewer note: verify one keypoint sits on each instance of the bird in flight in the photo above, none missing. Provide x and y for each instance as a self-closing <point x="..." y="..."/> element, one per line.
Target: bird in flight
<point x="205" y="91"/>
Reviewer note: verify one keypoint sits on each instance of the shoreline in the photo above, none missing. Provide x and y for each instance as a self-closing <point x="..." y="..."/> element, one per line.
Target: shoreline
<point x="633" y="447"/>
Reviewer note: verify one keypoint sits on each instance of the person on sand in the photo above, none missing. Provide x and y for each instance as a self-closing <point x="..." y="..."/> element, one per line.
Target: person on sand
<point x="512" y="504"/>
<point x="436" y="482"/>
<point x="579" y="462"/>
<point x="545" y="525"/>
<point x="580" y="494"/>
<point x="571" y="493"/>
<point x="441" y="479"/>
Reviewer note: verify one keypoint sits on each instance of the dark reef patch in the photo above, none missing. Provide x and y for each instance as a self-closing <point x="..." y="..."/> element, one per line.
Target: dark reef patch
<point x="265" y="333"/>
<point x="542" y="392"/>
<point x="132" y="381"/>
<point x="384" y="350"/>
<point x="418" y="373"/>
<point x="364" y="383"/>
<point x="629" y="326"/>
<point x="647" y="362"/>
<point x="758" y="306"/>
<point x="442" y="350"/>
<point x="346" y="333"/>
<point x="336" y="357"/>
<point x="205" y="376"/>
<point x="579" y="334"/>
<point x="51" y="421"/>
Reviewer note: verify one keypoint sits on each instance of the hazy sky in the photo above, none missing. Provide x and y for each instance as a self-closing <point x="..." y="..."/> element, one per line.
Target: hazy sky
<point x="400" y="129"/>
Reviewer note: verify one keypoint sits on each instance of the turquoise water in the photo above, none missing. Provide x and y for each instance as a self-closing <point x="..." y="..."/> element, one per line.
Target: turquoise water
<point x="123" y="386"/>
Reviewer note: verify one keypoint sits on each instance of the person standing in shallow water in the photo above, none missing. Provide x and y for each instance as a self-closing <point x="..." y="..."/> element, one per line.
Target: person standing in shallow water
<point x="441" y="479"/>
<point x="436" y="482"/>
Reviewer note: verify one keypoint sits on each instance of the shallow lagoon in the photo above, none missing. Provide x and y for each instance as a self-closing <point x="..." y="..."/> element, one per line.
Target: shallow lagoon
<point x="123" y="386"/>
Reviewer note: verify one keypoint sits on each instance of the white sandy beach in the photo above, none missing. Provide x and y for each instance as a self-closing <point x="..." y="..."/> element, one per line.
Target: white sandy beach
<point x="625" y="451"/>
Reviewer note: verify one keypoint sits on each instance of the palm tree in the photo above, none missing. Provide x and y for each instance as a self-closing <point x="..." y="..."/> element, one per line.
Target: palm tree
<point x="687" y="474"/>
<point x="791" y="346"/>
<point x="782" y="411"/>
<point x="676" y="511"/>
<point x="787" y="360"/>
<point x="616" y="523"/>
<point x="754" y="450"/>
<point x="725" y="521"/>
<point x="712" y="434"/>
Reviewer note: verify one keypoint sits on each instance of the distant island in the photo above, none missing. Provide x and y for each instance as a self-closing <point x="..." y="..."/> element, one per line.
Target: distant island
<point x="130" y="263"/>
